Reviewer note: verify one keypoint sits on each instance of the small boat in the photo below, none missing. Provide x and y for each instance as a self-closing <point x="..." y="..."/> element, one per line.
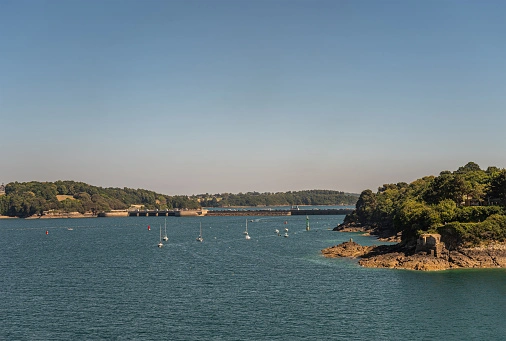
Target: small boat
<point x="246" y="231"/>
<point x="165" y="238"/>
<point x="276" y="231"/>
<point x="286" y="235"/>
<point x="70" y="229"/>
<point x="200" y="239"/>
<point x="160" y="244"/>
<point x="286" y="229"/>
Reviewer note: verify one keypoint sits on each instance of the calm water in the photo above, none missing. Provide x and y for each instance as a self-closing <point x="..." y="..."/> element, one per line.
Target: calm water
<point x="106" y="279"/>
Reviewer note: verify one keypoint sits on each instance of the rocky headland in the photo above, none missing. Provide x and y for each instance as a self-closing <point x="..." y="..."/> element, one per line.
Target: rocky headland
<point x="453" y="220"/>
<point x="401" y="257"/>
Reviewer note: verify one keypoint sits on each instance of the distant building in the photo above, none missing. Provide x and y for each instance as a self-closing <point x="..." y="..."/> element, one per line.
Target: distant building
<point x="2" y="189"/>
<point x="430" y="243"/>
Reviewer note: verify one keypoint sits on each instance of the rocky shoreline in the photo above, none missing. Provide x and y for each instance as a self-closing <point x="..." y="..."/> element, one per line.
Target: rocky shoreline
<point x="386" y="236"/>
<point x="398" y="257"/>
<point x="64" y="216"/>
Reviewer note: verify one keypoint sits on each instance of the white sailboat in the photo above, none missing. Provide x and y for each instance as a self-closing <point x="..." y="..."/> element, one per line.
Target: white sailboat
<point x="160" y="244"/>
<point x="246" y="232"/>
<point x="200" y="239"/>
<point x="165" y="238"/>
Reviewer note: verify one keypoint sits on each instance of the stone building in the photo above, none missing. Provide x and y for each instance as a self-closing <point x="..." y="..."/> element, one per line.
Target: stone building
<point x="430" y="243"/>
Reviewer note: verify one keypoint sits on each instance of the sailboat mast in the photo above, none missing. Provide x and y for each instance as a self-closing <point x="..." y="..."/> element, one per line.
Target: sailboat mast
<point x="307" y="223"/>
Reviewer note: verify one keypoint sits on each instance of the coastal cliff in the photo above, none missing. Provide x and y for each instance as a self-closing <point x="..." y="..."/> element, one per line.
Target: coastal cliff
<point x="399" y="257"/>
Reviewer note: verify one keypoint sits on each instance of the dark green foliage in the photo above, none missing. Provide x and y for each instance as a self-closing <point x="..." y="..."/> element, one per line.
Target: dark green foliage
<point x="366" y="207"/>
<point x="32" y="198"/>
<point x="29" y="198"/>
<point x="469" y="167"/>
<point x="460" y="203"/>
<point x="413" y="216"/>
<point x="474" y="234"/>
<point x="476" y="214"/>
<point x="312" y="197"/>
<point x="455" y="234"/>
<point x="493" y="228"/>
<point x="498" y="187"/>
<point x="447" y="186"/>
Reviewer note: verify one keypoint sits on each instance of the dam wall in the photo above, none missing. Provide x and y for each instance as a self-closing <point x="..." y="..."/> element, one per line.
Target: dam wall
<point x="248" y="213"/>
<point x="337" y="211"/>
<point x="225" y="212"/>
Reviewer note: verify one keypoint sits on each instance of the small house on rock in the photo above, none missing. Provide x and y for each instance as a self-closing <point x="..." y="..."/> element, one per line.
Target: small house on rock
<point x="430" y="243"/>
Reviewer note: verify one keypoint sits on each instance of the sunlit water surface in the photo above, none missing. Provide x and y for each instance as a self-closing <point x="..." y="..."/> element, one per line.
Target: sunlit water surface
<point x="105" y="278"/>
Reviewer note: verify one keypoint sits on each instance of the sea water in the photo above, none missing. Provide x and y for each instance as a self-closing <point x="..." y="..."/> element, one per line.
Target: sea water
<point x="105" y="278"/>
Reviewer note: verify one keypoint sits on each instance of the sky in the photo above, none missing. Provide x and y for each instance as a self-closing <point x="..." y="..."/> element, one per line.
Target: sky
<point x="210" y="96"/>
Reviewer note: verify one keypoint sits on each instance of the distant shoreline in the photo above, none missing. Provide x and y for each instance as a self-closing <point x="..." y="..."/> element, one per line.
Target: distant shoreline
<point x="73" y="215"/>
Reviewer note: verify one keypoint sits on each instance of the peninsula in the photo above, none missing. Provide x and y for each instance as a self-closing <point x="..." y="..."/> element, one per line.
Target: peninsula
<point x="454" y="220"/>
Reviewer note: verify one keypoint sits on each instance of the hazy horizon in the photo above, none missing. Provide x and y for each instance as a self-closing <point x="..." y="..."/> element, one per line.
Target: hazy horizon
<point x="194" y="97"/>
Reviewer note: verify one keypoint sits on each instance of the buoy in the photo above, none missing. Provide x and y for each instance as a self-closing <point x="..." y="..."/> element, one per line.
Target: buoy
<point x="149" y="228"/>
<point x="286" y="222"/>
<point x="47" y="232"/>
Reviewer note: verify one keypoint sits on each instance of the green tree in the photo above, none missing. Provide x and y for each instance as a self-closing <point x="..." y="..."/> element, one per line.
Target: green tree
<point x="469" y="167"/>
<point x="498" y="187"/>
<point x="447" y="210"/>
<point x="366" y="205"/>
<point x="447" y="186"/>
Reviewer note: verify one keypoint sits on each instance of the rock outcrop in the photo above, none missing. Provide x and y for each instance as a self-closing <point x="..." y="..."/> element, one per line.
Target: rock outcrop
<point x="399" y="257"/>
<point x="347" y="249"/>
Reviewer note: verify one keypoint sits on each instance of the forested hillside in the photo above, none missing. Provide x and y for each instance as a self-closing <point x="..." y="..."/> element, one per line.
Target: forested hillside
<point x="31" y="198"/>
<point x="466" y="206"/>
<point x="310" y="197"/>
<point x="24" y="199"/>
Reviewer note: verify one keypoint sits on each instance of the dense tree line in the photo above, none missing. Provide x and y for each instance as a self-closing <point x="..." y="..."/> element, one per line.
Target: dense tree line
<point x="23" y="199"/>
<point x="309" y="197"/>
<point x="466" y="206"/>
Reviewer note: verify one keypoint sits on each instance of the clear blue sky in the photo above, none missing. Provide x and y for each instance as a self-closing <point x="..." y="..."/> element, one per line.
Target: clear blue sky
<point x="188" y="97"/>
